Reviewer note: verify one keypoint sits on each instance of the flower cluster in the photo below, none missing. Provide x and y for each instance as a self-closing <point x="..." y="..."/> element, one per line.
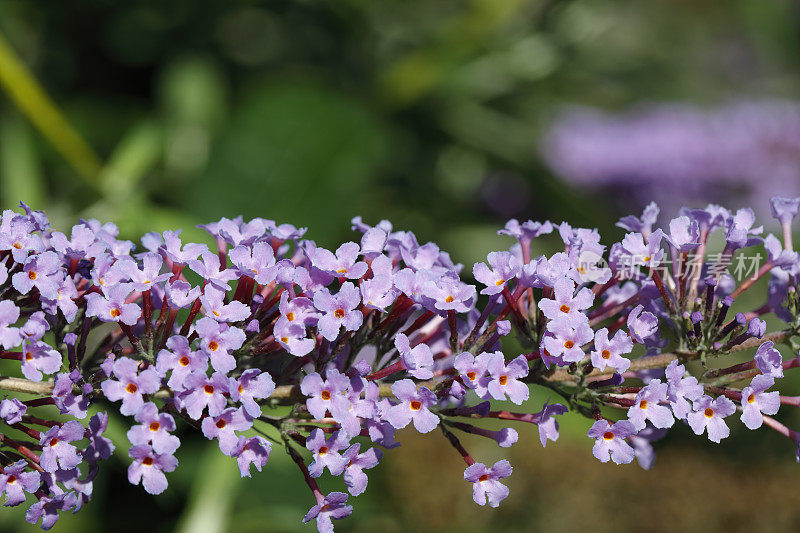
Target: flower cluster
<point x="266" y="339"/>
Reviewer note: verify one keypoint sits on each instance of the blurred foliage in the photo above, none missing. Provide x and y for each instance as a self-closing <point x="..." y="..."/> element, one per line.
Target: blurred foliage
<point x="427" y="112"/>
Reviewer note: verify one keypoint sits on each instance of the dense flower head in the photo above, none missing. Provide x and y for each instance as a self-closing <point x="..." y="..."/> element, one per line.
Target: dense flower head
<point x="334" y="355"/>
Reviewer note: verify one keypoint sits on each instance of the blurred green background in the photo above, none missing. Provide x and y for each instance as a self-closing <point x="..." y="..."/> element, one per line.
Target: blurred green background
<point x="167" y="114"/>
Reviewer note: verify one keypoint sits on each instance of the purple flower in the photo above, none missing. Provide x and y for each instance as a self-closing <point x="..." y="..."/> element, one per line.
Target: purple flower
<point x="681" y="389"/>
<point x="326" y="452"/>
<point x="218" y="340"/>
<point x="647" y="254"/>
<point x="565" y="305"/>
<point x="251" y="385"/>
<point x="608" y="352"/>
<point x="42" y="271"/>
<point x="178" y="254"/>
<point x="379" y="291"/>
<point x="12" y="410"/>
<point x="180" y="294"/>
<point x="99" y="446"/>
<point x="130" y="386"/>
<point x="66" y="401"/>
<point x="148" y="276"/>
<point x="503" y="380"/>
<point x="253" y="450"/>
<point x="208" y="268"/>
<point x="644" y="224"/>
<point x="784" y="209"/>
<point x="47" y="509"/>
<point x="9" y="335"/>
<point x="740" y="229"/>
<point x="83" y="244"/>
<point x="755" y="401"/>
<point x="565" y="339"/>
<point x="66" y="294"/>
<point x="57" y="452"/>
<point x="776" y="253"/>
<point x="293" y="338"/>
<point x="414" y="406"/>
<point x="154" y="429"/>
<point x="256" y="262"/>
<point x="202" y="391"/>
<point x="224" y="428"/>
<point x="641" y="324"/>
<point x="709" y="415"/>
<point x="768" y="360"/>
<point x="339" y="310"/>
<point x="331" y="507"/>
<point x="472" y="371"/>
<point x="548" y="425"/>
<point x="321" y="392"/>
<point x="15" y="482"/>
<point x="486" y="487"/>
<point x="418" y="360"/>
<point x="214" y="305"/>
<point x="684" y="234"/>
<point x="112" y="306"/>
<point x="148" y="468"/>
<point x="181" y="361"/>
<point x="354" y="476"/>
<point x="610" y="441"/>
<point x="449" y="293"/>
<point x="17" y="235"/>
<point x="504" y="267"/>
<point x="343" y="264"/>
<point x="527" y="230"/>
<point x="648" y="407"/>
<point x="299" y="310"/>
<point x="39" y="358"/>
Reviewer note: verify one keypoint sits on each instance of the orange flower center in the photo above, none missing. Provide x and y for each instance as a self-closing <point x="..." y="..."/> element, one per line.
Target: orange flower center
<point x="751" y="398"/>
<point x="147" y="461"/>
<point x="709" y="412"/>
<point x="18" y="246"/>
<point x="342" y="271"/>
<point x="605" y="354"/>
<point x="154" y="426"/>
<point x="32" y="274"/>
<point x="339" y="313"/>
<point x="284" y="339"/>
<point x="568" y="345"/>
<point x="11" y="479"/>
<point x="28" y="356"/>
<point x="643" y="404"/>
<point x="484" y="477"/>
<point x="608" y="435"/>
<point x="323" y="450"/>
<point x="499" y="282"/>
<point x="213" y="346"/>
<point x="565" y="308"/>
<point x="290" y="316"/>
<point x="208" y="389"/>
<point x="503" y="379"/>
<point x="449" y="299"/>
<point x="472" y="376"/>
<point x="325" y="395"/>
<point x="131" y="388"/>
<point x="115" y="313"/>
<point x="416" y="405"/>
<point x="53" y="442"/>
<point x="184" y="361"/>
<point x="221" y="424"/>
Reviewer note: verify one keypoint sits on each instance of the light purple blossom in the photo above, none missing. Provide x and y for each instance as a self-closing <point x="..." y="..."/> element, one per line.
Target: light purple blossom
<point x="354" y="477"/>
<point x="112" y="306"/>
<point x="326" y="452"/>
<point x="768" y="360"/>
<point x="503" y="266"/>
<point x="252" y="385"/>
<point x="343" y="264"/>
<point x="256" y="262"/>
<point x="130" y="385"/>
<point x="155" y="429"/>
<point x="251" y="451"/>
<point x="15" y="482"/>
<point x="57" y="452"/>
<point x="180" y="360"/>
<point x="418" y="360"/>
<point x="321" y="392"/>
<point x="338" y="310"/>
<point x="641" y="324"/>
<point x="9" y="335"/>
<point x="39" y="358"/>
<point x="609" y="352"/>
<point x="12" y="410"/>
<point x="486" y="487"/>
<point x="42" y="271"/>
<point x="504" y="379"/>
<point x="755" y="401"/>
<point x="414" y="406"/>
<point x="610" y="441"/>
<point x="203" y="391"/>
<point x="648" y="407"/>
<point x="681" y="389"/>
<point x="708" y="415"/>
<point x="565" y="339"/>
<point x="148" y="468"/>
<point x="208" y="268"/>
<point x="224" y="426"/>
<point x="547" y="423"/>
<point x="472" y="371"/>
<point x="448" y="292"/>
<point x="218" y="340"/>
<point x="564" y="304"/>
<point x="331" y="507"/>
